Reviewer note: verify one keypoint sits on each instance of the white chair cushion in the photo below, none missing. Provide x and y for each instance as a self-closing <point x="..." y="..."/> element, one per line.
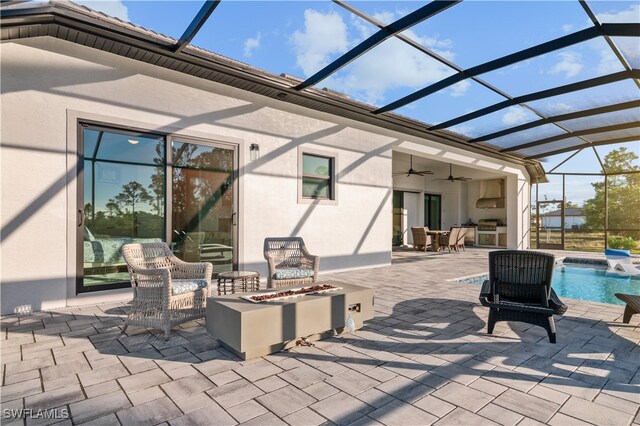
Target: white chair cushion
<point x="186" y="286"/>
<point x="292" y="273"/>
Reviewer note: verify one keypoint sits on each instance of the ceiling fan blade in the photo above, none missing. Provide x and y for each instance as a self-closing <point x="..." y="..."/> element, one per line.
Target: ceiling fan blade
<point x="424" y="172"/>
<point x="450" y="178"/>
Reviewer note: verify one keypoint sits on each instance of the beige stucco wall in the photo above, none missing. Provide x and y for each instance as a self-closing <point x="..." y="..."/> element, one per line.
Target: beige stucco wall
<point x="48" y="84"/>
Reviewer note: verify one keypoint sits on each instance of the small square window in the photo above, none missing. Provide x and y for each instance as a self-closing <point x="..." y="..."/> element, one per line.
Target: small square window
<point x="317" y="177"/>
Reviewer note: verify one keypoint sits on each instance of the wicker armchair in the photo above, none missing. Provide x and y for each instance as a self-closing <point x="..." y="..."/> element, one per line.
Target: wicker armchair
<point x="289" y="262"/>
<point x="462" y="233"/>
<point x="420" y="238"/>
<point x="450" y="240"/>
<point x="166" y="290"/>
<point x="519" y="289"/>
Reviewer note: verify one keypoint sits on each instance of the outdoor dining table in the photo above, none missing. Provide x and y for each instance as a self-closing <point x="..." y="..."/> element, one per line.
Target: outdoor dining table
<point x="436" y="237"/>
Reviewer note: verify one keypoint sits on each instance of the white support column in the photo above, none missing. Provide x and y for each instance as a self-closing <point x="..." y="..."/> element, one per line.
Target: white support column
<point x="518" y="196"/>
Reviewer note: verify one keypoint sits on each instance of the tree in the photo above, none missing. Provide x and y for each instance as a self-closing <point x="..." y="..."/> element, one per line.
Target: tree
<point x="113" y="207"/>
<point x="88" y="210"/>
<point x="623" y="194"/>
<point x="568" y="205"/>
<point x="133" y="193"/>
<point x="157" y="179"/>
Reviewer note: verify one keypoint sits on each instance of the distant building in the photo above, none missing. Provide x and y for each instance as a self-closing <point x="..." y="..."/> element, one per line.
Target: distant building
<point x="573" y="218"/>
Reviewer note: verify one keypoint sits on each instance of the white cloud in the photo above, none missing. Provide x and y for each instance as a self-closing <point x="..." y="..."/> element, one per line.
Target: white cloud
<point x="514" y="116"/>
<point x="385" y="17"/>
<point x="251" y="44"/>
<point x="113" y="8"/>
<point x="560" y="108"/>
<point x="464" y="129"/>
<point x="459" y="89"/>
<point x="323" y="35"/>
<point x="609" y="63"/>
<point x="570" y="64"/>
<point x="391" y="65"/>
<point x="628" y="45"/>
<point x="567" y="28"/>
<point x="629" y="48"/>
<point x="632" y="14"/>
<point x="363" y="28"/>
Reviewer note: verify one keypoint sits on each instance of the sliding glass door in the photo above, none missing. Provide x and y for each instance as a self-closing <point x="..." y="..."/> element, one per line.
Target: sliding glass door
<point x="398" y="206"/>
<point x="139" y="187"/>
<point x="203" y="215"/>
<point x="432" y="211"/>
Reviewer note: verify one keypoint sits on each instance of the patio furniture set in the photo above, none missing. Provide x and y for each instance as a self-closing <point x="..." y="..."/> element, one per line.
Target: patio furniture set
<point x="169" y="291"/>
<point x="430" y="239"/>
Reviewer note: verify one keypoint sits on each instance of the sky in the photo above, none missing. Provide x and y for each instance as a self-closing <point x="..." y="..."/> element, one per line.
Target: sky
<point x="301" y="37"/>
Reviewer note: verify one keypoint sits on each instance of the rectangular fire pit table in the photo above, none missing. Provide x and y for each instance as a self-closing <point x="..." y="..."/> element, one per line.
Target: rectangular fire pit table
<point x="252" y="330"/>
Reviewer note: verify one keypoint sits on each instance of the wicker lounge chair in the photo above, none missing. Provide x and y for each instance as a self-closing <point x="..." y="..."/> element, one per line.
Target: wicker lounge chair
<point x="289" y="262"/>
<point x="166" y="290"/>
<point x="519" y="289"/>
<point x="632" y="308"/>
<point x="421" y="241"/>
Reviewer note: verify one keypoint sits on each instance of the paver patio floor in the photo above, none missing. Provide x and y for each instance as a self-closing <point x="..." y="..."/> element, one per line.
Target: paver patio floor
<point x="424" y="359"/>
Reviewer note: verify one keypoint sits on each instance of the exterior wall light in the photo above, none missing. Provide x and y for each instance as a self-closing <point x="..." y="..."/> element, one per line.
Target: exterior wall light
<point x="254" y="151"/>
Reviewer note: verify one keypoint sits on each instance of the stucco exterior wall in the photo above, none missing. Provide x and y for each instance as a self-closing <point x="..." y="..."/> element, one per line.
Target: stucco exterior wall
<point x="48" y="84"/>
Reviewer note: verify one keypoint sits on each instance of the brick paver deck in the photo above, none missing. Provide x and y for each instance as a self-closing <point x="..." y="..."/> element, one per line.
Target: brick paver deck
<point x="424" y="359"/>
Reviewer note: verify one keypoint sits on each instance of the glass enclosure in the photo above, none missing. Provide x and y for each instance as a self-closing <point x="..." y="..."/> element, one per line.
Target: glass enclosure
<point x="581" y="234"/>
<point x="590" y="212"/>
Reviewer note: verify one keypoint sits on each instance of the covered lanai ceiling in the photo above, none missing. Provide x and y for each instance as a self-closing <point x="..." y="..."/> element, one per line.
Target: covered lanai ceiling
<point x="532" y="80"/>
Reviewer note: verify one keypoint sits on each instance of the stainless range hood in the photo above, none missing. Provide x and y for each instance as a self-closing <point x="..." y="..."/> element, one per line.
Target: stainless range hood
<point x="492" y="195"/>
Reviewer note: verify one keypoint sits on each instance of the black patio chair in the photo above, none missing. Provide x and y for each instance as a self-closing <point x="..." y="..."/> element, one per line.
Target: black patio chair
<point x="519" y="289"/>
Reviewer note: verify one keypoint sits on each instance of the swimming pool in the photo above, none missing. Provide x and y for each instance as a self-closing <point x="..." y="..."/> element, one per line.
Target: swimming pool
<point x="585" y="283"/>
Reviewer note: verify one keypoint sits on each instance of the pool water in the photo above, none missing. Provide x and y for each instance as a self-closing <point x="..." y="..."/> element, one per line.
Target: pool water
<point x="593" y="284"/>
<point x="587" y="283"/>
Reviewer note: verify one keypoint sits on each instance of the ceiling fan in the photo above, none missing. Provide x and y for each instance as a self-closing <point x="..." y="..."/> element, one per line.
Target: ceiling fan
<point x="450" y="178"/>
<point x="411" y="171"/>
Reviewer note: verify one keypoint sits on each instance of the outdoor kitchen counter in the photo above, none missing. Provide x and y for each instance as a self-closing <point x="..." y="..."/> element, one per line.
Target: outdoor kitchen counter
<point x="251" y="329"/>
<point x="492" y="238"/>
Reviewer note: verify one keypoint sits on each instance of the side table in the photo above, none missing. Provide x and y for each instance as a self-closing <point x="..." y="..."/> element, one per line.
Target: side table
<point x="247" y="281"/>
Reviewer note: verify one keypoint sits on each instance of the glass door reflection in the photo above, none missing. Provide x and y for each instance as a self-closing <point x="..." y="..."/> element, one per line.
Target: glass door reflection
<point x="123" y="201"/>
<point x="203" y="204"/>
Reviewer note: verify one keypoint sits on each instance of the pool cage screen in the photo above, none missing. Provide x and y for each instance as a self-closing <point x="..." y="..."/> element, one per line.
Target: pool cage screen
<point x="567" y="219"/>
